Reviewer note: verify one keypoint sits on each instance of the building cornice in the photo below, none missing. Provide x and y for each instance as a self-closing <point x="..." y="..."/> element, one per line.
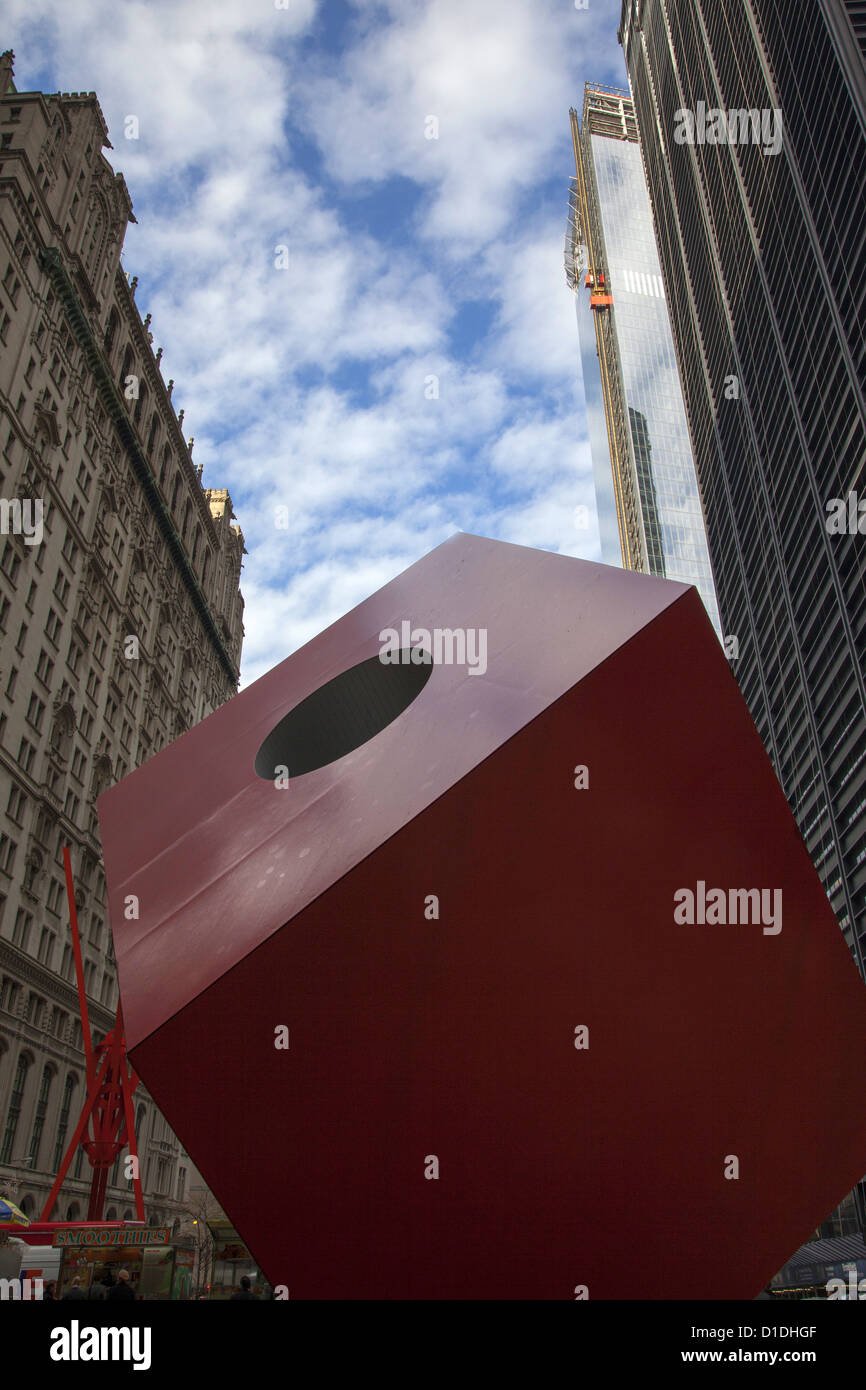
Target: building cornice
<point x="157" y="385"/>
<point x="112" y="401"/>
<point x="51" y="984"/>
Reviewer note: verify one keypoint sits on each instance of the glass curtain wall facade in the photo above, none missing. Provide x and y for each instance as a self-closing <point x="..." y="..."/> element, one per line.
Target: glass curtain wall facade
<point x="762" y="234"/>
<point x="752" y="119"/>
<point x="649" y="509"/>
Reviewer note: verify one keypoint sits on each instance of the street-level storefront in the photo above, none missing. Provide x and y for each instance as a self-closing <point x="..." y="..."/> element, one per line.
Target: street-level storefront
<point x="145" y="1252"/>
<point x="158" y="1268"/>
<point x="231" y="1261"/>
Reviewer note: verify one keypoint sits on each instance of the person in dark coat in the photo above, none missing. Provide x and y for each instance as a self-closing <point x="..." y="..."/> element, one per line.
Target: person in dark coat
<point x="50" y="1291"/>
<point x="74" y="1292"/>
<point x="244" y="1293"/>
<point x="122" y="1290"/>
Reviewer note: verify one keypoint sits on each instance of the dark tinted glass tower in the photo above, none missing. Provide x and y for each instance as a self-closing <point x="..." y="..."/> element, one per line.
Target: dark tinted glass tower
<point x="752" y="121"/>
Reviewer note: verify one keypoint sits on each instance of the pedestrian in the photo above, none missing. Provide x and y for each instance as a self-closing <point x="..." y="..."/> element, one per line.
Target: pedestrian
<point x="243" y="1292"/>
<point x="122" y="1290"/>
<point x="74" y="1292"/>
<point x="50" y="1291"/>
<point x="99" y="1288"/>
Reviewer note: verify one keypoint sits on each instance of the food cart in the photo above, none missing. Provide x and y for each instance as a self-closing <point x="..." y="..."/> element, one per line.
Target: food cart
<point x="158" y="1268"/>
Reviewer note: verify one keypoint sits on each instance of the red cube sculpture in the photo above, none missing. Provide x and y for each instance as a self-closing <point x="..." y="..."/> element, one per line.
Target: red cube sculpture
<point x="468" y="978"/>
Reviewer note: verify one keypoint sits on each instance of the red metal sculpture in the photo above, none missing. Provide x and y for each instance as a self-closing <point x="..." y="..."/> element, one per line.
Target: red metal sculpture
<point x="504" y="977"/>
<point x="106" y="1124"/>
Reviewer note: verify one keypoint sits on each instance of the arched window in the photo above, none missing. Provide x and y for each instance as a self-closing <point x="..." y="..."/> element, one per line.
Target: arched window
<point x="73" y="1212"/>
<point x="13" y="1114"/>
<point x="175" y="492"/>
<point x="62" y="730"/>
<point x="151" y="438"/>
<point x="102" y="775"/>
<point x="111" y="1214"/>
<point x="187" y="512"/>
<point x="98" y="224"/>
<point x="63" y="1121"/>
<point x="166" y="460"/>
<point x="126" y="368"/>
<point x="141" y="402"/>
<point x="111" y="331"/>
<point x="39" y="1117"/>
<point x="27" y="1205"/>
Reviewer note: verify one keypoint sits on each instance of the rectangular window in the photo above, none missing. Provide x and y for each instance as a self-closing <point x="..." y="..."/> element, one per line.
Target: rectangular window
<point x="7" y="853"/>
<point x="10" y="562"/>
<point x="36" y="712"/>
<point x="26" y="754"/>
<point x="55" y="896"/>
<point x="85" y="478"/>
<point x="44" y="667"/>
<point x="21" y="930"/>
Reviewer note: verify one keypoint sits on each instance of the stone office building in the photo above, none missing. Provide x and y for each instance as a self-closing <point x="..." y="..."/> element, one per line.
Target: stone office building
<point x="107" y="535"/>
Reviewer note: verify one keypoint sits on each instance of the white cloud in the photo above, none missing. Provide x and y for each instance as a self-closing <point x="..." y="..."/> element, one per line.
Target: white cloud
<point x="497" y="75"/>
<point x="307" y="387"/>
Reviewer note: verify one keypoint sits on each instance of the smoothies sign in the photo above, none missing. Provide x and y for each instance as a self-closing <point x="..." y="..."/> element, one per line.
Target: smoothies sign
<point x="102" y="1239"/>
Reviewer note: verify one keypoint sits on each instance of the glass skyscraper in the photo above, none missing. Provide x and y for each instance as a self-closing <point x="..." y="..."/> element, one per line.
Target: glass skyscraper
<point x="752" y="120"/>
<point x="763" y="243"/>
<point x="649" y="510"/>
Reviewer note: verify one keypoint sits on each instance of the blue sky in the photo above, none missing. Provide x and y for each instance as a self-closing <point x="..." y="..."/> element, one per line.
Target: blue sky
<point x="414" y="371"/>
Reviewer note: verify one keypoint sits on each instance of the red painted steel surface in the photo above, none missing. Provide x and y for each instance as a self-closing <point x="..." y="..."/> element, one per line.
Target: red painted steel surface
<point x="454" y="1037"/>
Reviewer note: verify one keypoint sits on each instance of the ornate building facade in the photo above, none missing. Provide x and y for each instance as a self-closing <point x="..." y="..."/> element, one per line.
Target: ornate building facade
<point x="121" y="621"/>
